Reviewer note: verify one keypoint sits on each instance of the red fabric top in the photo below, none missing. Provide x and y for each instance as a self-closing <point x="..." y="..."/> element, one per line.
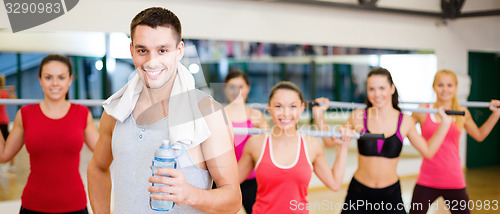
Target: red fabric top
<point x="54" y="184"/>
<point x="4" y="117"/>
<point x="282" y="189"/>
<point x="444" y="170"/>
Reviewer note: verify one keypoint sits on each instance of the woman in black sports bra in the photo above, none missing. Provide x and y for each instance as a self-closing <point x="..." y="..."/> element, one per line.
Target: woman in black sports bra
<point x="375" y="186"/>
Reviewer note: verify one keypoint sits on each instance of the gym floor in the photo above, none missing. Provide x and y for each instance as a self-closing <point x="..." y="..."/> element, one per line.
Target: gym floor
<point x="482" y="186"/>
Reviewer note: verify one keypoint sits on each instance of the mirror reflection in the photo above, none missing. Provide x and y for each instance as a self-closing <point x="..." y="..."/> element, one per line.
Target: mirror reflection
<point x="337" y="73"/>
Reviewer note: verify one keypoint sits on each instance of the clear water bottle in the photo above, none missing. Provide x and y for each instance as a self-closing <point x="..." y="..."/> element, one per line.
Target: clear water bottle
<point x="165" y="157"/>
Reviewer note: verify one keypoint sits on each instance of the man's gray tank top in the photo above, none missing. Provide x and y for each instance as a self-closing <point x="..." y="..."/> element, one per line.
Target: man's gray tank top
<point x="133" y="147"/>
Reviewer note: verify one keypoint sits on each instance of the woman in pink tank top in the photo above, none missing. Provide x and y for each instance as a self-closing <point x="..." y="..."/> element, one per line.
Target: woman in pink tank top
<point x="236" y="89"/>
<point x="284" y="160"/>
<point x="442" y="174"/>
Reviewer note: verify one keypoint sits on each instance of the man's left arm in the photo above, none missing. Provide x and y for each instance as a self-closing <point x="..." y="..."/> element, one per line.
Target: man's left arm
<point x="218" y="152"/>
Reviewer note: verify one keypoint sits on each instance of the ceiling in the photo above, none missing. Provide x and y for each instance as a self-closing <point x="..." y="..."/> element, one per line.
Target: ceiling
<point x="445" y="9"/>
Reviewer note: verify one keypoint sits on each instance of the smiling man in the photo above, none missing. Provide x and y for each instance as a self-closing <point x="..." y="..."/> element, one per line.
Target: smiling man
<point x="152" y="107"/>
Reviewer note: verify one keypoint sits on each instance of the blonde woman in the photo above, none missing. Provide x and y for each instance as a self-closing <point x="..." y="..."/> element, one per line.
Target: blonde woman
<point x="442" y="174"/>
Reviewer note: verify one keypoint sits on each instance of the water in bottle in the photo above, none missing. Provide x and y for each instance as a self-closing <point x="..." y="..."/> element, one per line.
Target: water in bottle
<point x="165" y="157"/>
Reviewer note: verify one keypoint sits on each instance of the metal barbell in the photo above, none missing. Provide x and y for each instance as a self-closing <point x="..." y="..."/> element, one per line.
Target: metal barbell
<point x="321" y="134"/>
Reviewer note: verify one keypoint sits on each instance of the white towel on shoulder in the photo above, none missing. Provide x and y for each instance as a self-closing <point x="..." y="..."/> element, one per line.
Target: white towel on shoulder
<point x="186" y="123"/>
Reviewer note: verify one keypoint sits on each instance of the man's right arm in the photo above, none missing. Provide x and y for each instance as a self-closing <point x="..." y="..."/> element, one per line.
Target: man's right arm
<point x="99" y="178"/>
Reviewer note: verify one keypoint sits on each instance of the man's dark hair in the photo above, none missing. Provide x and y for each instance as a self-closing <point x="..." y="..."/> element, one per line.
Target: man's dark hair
<point x="155" y="17"/>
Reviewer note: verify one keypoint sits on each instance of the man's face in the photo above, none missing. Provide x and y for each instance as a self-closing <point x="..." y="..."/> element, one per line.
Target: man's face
<point x="155" y="52"/>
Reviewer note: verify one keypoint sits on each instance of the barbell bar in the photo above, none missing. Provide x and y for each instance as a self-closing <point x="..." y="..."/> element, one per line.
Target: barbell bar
<point x="313" y="133"/>
<point x="334" y="104"/>
<point x="33" y="101"/>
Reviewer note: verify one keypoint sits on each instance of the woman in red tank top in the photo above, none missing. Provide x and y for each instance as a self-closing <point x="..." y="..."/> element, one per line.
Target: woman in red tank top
<point x="236" y="89"/>
<point x="442" y="174"/>
<point x="53" y="131"/>
<point x="284" y="160"/>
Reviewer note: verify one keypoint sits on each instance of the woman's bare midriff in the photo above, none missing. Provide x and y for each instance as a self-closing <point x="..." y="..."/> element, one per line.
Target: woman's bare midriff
<point x="377" y="172"/>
